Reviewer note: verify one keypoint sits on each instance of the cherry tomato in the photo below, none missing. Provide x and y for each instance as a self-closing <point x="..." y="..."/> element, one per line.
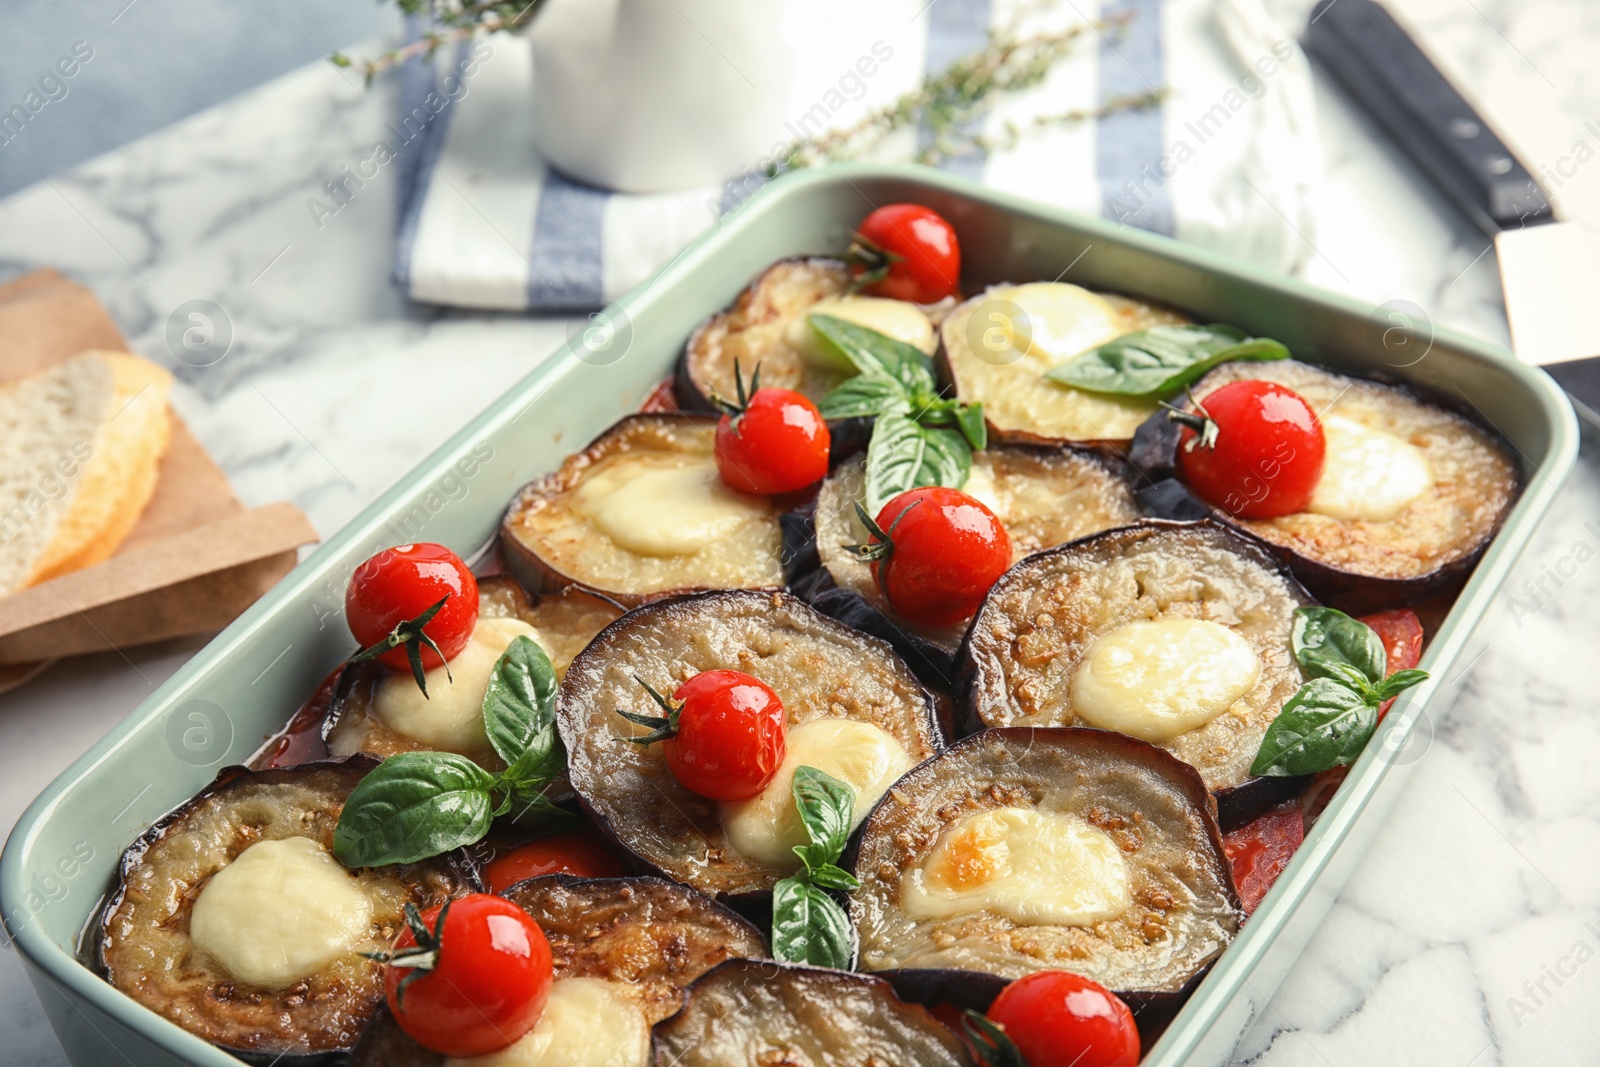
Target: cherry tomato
<point x="1260" y="850"/>
<point x="929" y="266"/>
<point x="1267" y="456"/>
<point x="577" y="852"/>
<point x="777" y="443"/>
<point x="400" y="583"/>
<point x="945" y="549"/>
<point x="723" y="734"/>
<point x="488" y="982"/>
<point x="1057" y="1019"/>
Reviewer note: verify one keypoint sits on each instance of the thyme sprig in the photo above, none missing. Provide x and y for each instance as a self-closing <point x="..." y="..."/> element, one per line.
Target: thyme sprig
<point x="948" y="103"/>
<point x="449" y="20"/>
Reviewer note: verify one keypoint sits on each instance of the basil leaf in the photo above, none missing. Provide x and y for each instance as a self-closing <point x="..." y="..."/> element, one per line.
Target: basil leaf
<point x="827" y="876"/>
<point x="903" y="455"/>
<point x="1162" y="359"/>
<point x="826" y="806"/>
<point x="973" y="427"/>
<point x="1330" y="644"/>
<point x="863" y="395"/>
<point x="871" y="352"/>
<point x="519" y="703"/>
<point x="413" y="806"/>
<point x="1397" y="683"/>
<point x="1326" y="724"/>
<point x="808" y="926"/>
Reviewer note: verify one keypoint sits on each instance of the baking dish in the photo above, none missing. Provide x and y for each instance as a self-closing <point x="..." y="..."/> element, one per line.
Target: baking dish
<point x="243" y="686"/>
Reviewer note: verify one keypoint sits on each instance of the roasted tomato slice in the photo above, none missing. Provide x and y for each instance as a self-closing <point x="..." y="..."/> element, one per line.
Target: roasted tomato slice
<point x="578" y="853"/>
<point x="1261" y="848"/>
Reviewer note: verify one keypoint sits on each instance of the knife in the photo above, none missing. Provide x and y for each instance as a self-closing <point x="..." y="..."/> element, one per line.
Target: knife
<point x="1549" y="269"/>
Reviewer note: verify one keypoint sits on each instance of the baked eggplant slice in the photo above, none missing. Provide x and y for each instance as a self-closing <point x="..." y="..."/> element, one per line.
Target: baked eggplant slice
<point x="382" y="712"/>
<point x="853" y="709"/>
<point x="767" y="327"/>
<point x="1045" y="496"/>
<point x="997" y="348"/>
<point x="641" y="514"/>
<point x="1176" y="633"/>
<point x="1019" y="850"/>
<point x="1411" y="493"/>
<point x="624" y="950"/>
<point x="232" y="919"/>
<point x="751" y="1013"/>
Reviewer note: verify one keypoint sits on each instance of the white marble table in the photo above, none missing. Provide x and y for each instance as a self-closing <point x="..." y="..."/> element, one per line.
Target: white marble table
<point x="1467" y="936"/>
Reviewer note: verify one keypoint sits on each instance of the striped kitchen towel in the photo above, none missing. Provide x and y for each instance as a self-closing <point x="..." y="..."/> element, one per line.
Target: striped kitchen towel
<point x="1229" y="159"/>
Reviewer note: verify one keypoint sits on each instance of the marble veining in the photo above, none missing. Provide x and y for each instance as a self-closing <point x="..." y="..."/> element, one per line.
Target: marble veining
<point x="1470" y="934"/>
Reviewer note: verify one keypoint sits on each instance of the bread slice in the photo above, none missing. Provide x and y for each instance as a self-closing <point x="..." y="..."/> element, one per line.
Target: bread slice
<point x="80" y="447"/>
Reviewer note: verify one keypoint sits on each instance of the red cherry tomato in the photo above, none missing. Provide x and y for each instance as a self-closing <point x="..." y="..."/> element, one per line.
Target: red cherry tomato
<point x="577" y="852"/>
<point x="946" y="550"/>
<point x="929" y="266"/>
<point x="1260" y="850"/>
<point x="1060" y="1019"/>
<point x="777" y="444"/>
<point x="401" y="583"/>
<point x="1267" y="456"/>
<point x="487" y="986"/>
<point x="724" y="736"/>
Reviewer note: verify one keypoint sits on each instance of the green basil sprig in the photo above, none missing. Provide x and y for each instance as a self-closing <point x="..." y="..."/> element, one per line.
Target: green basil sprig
<point x="420" y="804"/>
<point x="1161" y="360"/>
<point x="1331" y="718"/>
<point x="809" y="926"/>
<point x="920" y="438"/>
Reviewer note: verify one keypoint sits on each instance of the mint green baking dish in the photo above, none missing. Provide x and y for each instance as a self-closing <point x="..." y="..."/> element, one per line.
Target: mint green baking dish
<point x="245" y="684"/>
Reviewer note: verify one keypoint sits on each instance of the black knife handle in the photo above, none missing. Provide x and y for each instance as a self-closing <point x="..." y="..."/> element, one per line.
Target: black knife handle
<point x="1365" y="49"/>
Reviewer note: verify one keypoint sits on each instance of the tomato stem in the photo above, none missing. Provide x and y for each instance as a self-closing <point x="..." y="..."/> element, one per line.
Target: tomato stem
<point x="1199" y="420"/>
<point x="883" y="548"/>
<point x="873" y="259"/>
<point x="989" y="1041"/>
<point x="419" y="958"/>
<point x="411" y="634"/>
<point x="661" y="726"/>
<point x="735" y="409"/>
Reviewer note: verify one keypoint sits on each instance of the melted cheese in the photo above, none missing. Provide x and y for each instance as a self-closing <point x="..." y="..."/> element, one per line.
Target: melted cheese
<point x="450" y="717"/>
<point x="1029" y="866"/>
<point x="280" y="912"/>
<point x="1369" y="474"/>
<point x="1156" y="680"/>
<point x="664" y="504"/>
<point x="981" y="487"/>
<point x="767" y="827"/>
<point x="894" y="318"/>
<point x="587" y="1022"/>
<point x="1058" y="321"/>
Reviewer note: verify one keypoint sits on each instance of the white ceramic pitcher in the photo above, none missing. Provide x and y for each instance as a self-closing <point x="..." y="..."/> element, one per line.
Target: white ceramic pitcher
<point x="651" y="95"/>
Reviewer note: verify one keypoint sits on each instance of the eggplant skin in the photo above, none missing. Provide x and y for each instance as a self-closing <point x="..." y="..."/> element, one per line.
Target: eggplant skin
<point x="1042" y="617"/>
<point x="752" y="331"/>
<point x="1019" y="403"/>
<point x="548" y="546"/>
<point x="750" y="1013"/>
<point x="652" y="936"/>
<point x="1359" y="566"/>
<point x="565" y="622"/>
<point x="1185" y="910"/>
<point x="818" y="667"/>
<point x="1045" y="496"/>
<point x="144" y="948"/>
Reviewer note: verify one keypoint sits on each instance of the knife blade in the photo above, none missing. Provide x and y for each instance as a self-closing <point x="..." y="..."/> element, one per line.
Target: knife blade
<point x="1549" y="269"/>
